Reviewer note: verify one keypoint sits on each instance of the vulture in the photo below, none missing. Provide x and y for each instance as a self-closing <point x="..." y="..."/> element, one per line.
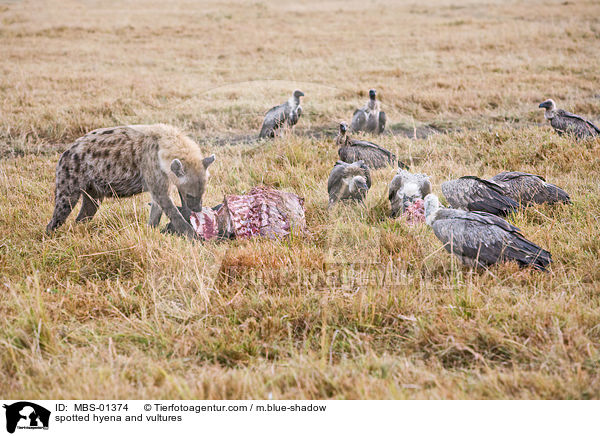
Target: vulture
<point x="405" y="188"/>
<point x="369" y="118"/>
<point x="481" y="239"/>
<point x="566" y="122"/>
<point x="352" y="150"/>
<point x="348" y="181"/>
<point x="527" y="189"/>
<point x="474" y="194"/>
<point x="286" y="113"/>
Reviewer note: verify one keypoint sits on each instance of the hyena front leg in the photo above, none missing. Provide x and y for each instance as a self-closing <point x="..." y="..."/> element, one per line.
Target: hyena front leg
<point x="155" y="214"/>
<point x="178" y="223"/>
<point x="186" y="212"/>
<point x="66" y="199"/>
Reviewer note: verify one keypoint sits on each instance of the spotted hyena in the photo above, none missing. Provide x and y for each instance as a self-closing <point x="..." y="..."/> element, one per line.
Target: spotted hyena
<point x="128" y="160"/>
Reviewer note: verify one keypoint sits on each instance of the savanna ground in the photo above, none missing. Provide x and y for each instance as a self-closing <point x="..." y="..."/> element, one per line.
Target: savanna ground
<point x="361" y="306"/>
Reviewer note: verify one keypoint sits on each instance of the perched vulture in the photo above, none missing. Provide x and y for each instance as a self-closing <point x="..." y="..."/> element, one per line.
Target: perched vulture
<point x="528" y="189"/>
<point x="566" y="122"/>
<point x="286" y="113"/>
<point x="481" y="239"/>
<point x="369" y="118"/>
<point x="352" y="150"/>
<point x="474" y="194"/>
<point x="348" y="182"/>
<point x="405" y="188"/>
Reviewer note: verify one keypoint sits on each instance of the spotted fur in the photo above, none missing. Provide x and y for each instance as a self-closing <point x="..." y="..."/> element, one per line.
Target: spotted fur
<point x="127" y="160"/>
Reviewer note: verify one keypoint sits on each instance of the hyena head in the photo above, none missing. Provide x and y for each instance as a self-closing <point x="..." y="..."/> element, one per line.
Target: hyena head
<point x="191" y="180"/>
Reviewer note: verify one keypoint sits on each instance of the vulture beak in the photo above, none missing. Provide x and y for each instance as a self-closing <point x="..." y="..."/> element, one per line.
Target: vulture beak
<point x="361" y="185"/>
<point x="542" y="105"/>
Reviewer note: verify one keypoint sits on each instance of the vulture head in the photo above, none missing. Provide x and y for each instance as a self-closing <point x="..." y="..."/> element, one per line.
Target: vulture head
<point x="412" y="192"/>
<point x="432" y="205"/>
<point x="341" y="138"/>
<point x="549" y="105"/>
<point x="406" y="194"/>
<point x="297" y="94"/>
<point x="372" y="94"/>
<point x="355" y="177"/>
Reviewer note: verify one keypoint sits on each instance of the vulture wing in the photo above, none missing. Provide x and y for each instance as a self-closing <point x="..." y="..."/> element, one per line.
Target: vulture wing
<point x="359" y="120"/>
<point x="528" y="188"/>
<point x="382" y="121"/>
<point x="475" y="194"/>
<point x="274" y="118"/>
<point x="566" y="122"/>
<point x="366" y="172"/>
<point x="396" y="185"/>
<point x="336" y="185"/>
<point x="373" y="155"/>
<point x="336" y="175"/>
<point x="295" y="116"/>
<point x="484" y="239"/>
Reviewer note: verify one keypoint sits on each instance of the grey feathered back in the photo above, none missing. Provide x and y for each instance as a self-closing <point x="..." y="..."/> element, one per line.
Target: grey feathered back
<point x="565" y="122"/>
<point x="286" y="113"/>
<point x="340" y="179"/>
<point x="475" y="194"/>
<point x="528" y="189"/>
<point x="483" y="239"/>
<point x="373" y="155"/>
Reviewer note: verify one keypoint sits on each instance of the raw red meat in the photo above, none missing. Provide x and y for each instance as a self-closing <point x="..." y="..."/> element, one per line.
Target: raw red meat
<point x="415" y="213"/>
<point x="263" y="211"/>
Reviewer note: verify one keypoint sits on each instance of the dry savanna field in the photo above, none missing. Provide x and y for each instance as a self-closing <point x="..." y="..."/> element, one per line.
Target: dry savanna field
<point x="359" y="307"/>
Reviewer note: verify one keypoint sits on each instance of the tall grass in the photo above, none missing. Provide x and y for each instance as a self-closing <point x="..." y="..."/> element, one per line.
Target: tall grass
<point x="360" y="306"/>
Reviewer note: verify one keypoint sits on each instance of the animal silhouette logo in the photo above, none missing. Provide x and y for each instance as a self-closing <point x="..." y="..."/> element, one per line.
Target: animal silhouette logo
<point x="26" y="415"/>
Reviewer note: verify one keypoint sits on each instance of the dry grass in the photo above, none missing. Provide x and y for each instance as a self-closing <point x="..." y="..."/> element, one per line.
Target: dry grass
<point x="361" y="307"/>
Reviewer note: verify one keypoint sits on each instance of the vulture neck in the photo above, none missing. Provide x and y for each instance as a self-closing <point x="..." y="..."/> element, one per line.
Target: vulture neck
<point x="341" y="138"/>
<point x="549" y="114"/>
<point x="431" y="212"/>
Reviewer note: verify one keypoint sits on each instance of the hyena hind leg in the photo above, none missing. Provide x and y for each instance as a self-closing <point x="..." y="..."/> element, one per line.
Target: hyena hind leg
<point x="64" y="204"/>
<point x="89" y="207"/>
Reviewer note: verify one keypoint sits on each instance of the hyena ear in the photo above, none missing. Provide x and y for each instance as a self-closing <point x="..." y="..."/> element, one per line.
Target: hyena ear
<point x="208" y="160"/>
<point x="177" y="168"/>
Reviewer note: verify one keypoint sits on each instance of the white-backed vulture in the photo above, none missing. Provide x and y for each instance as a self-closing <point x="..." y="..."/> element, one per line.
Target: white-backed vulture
<point x="405" y="188"/>
<point x="352" y="150"/>
<point x="566" y="122"/>
<point x="527" y="189"/>
<point x="286" y="113"/>
<point x="348" y="181"/>
<point x="474" y="194"/>
<point x="481" y="239"/>
<point x="369" y="118"/>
